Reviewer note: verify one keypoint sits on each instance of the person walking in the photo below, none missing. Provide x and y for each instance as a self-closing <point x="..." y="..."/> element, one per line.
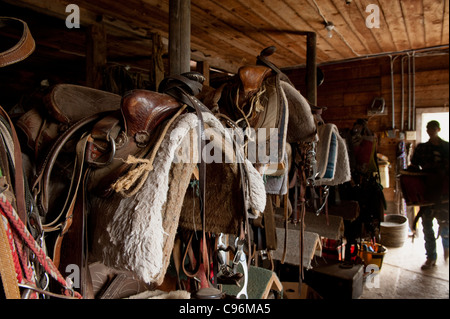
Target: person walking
<point x="432" y="158"/>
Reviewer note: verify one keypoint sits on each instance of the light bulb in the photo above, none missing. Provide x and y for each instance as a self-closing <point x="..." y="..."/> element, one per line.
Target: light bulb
<point x="329" y="34"/>
<point x="329" y="26"/>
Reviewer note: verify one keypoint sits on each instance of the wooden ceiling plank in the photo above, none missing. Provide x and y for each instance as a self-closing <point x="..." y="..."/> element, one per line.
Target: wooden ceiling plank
<point x="237" y="41"/>
<point x="244" y="27"/>
<point x="51" y="8"/>
<point x="357" y="19"/>
<point x="386" y="29"/>
<point x="134" y="12"/>
<point x="56" y="8"/>
<point x="413" y="15"/>
<point x="392" y="13"/>
<point x="382" y="34"/>
<point x="222" y="42"/>
<point x="201" y="42"/>
<point x="310" y="10"/>
<point x="445" y="24"/>
<point x="155" y="17"/>
<point x="337" y="14"/>
<point x="204" y="46"/>
<point x="254" y="26"/>
<point x="297" y="22"/>
<point x="271" y="23"/>
<point x="405" y="24"/>
<point x="432" y="11"/>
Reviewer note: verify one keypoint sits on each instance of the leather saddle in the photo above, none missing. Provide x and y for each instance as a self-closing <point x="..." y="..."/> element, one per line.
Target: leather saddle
<point x="81" y="139"/>
<point x="117" y="127"/>
<point x="254" y="99"/>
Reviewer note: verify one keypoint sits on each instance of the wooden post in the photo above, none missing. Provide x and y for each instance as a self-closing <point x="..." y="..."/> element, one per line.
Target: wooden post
<point x="311" y="68"/>
<point x="203" y="68"/>
<point x="96" y="54"/>
<point x="157" y="66"/>
<point x="179" y="36"/>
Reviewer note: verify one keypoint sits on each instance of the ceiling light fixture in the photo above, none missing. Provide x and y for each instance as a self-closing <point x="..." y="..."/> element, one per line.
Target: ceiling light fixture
<point x="330" y="27"/>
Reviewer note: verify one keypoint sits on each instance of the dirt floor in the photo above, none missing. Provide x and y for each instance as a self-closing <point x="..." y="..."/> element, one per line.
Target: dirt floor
<point x="400" y="276"/>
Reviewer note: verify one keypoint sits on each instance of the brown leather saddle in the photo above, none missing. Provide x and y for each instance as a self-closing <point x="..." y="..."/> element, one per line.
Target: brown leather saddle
<point x="262" y="96"/>
<point x="81" y="139"/>
<point x="110" y="128"/>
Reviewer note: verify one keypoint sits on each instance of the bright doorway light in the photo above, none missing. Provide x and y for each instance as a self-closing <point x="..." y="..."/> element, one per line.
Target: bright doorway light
<point x="442" y="118"/>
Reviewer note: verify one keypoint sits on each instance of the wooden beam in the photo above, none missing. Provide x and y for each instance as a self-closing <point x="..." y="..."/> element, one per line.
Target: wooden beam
<point x="311" y="68"/>
<point x="57" y="9"/>
<point x="203" y="68"/>
<point x="230" y="66"/>
<point x="96" y="54"/>
<point x="157" y="65"/>
<point x="179" y="36"/>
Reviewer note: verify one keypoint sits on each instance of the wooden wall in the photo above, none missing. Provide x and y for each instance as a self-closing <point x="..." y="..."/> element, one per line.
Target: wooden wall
<point x="349" y="89"/>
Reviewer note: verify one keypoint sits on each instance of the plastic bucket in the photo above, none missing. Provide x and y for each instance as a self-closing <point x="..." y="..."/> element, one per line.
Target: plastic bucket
<point x="372" y="257"/>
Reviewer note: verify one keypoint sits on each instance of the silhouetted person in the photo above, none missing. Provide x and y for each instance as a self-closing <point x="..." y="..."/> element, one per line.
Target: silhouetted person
<point x="432" y="158"/>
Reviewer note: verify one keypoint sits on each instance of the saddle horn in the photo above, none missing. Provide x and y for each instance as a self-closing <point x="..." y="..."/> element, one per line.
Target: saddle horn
<point x="268" y="51"/>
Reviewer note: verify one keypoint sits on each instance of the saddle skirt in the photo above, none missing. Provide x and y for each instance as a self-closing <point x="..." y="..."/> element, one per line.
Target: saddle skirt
<point x="333" y="165"/>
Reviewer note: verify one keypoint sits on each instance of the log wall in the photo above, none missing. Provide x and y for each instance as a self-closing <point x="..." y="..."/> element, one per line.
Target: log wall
<point x="349" y="89"/>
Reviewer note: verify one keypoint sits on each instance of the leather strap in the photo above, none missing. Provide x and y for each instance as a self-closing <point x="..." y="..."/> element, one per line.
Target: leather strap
<point x="301" y="217"/>
<point x="42" y="178"/>
<point x="19" y="186"/>
<point x="22" y="49"/>
<point x="74" y="230"/>
<point x="286" y="212"/>
<point x="69" y="209"/>
<point x="7" y="269"/>
<point x="189" y="251"/>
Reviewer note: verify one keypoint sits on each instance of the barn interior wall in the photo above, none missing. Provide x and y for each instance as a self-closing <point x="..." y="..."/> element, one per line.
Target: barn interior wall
<point x="349" y="89"/>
